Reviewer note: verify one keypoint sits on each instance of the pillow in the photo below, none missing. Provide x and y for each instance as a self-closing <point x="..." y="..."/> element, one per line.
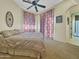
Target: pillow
<point x="7" y="33"/>
<point x="17" y="31"/>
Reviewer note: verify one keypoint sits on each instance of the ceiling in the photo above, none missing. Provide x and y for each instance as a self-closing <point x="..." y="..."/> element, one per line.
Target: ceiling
<point x="48" y="3"/>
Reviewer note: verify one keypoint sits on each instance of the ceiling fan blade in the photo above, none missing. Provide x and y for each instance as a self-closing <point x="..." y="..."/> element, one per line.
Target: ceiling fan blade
<point x="36" y="9"/>
<point x="41" y="6"/>
<point x="37" y="0"/>
<point x="27" y="1"/>
<point x="30" y="6"/>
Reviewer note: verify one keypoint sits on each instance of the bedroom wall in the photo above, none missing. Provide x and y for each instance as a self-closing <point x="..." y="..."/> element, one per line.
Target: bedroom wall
<point x="10" y="5"/>
<point x="37" y="23"/>
<point x="74" y="9"/>
<point x="60" y="28"/>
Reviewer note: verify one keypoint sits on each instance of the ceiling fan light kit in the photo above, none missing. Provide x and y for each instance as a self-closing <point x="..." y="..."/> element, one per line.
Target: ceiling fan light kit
<point x="35" y="4"/>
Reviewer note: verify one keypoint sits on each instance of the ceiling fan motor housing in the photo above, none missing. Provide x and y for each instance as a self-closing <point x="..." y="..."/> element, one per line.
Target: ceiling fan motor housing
<point x="34" y="3"/>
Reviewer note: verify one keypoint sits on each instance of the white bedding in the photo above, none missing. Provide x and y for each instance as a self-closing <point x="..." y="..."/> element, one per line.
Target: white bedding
<point x="32" y="34"/>
<point x="26" y="41"/>
<point x="30" y="40"/>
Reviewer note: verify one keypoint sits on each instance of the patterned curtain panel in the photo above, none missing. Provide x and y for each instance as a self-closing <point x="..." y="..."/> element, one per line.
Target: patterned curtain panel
<point x="47" y="24"/>
<point x="29" y="22"/>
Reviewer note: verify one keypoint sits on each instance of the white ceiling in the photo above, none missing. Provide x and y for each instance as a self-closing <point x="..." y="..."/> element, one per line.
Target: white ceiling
<point x="48" y="3"/>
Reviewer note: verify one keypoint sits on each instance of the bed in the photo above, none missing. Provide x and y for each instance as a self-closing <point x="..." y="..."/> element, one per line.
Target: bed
<point x="16" y="42"/>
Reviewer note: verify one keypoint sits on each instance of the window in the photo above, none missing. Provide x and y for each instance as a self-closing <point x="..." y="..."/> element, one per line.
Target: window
<point x="76" y="25"/>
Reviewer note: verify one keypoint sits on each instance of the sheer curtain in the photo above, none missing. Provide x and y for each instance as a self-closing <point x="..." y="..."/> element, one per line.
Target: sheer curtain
<point x="29" y="22"/>
<point x="47" y="24"/>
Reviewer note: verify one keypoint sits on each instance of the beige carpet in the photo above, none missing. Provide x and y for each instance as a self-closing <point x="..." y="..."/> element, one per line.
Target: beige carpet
<point x="54" y="50"/>
<point x="59" y="50"/>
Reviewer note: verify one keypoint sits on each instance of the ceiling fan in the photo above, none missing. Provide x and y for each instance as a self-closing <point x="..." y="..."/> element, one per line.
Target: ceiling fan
<point x="35" y="4"/>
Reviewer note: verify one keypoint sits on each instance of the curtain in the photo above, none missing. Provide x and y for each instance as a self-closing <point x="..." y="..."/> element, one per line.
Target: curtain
<point x="29" y="22"/>
<point x="47" y="23"/>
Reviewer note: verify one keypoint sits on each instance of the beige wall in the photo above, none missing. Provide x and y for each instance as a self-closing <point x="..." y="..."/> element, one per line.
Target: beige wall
<point x="37" y="23"/>
<point x="73" y="10"/>
<point x="61" y="33"/>
<point x="60" y="28"/>
<point x="9" y="5"/>
<point x="63" y="30"/>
